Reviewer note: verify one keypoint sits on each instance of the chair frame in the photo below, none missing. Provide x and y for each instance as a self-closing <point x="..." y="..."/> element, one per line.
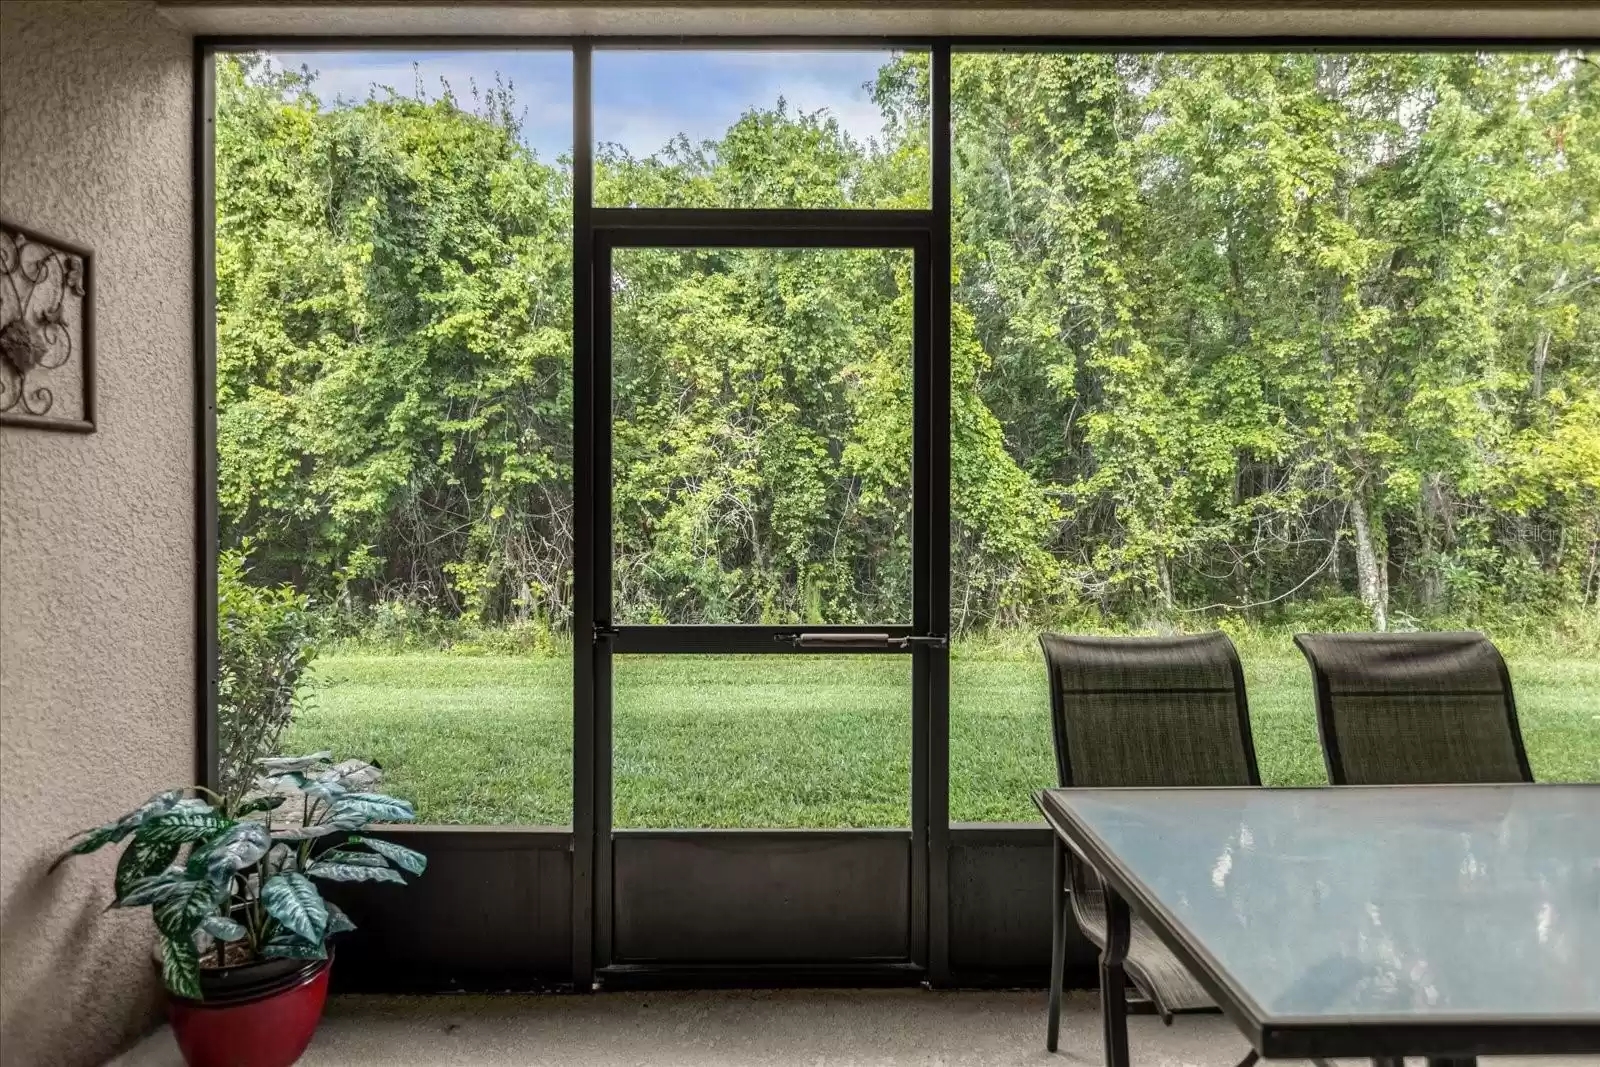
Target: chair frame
<point x="1068" y="869"/>
<point x="1327" y="727"/>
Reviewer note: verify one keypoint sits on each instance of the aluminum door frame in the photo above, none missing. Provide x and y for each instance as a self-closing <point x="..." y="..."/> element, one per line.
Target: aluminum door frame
<point x="596" y="838"/>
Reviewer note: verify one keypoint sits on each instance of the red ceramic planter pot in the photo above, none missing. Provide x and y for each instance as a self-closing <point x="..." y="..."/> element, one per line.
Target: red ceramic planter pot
<point x="261" y="1015"/>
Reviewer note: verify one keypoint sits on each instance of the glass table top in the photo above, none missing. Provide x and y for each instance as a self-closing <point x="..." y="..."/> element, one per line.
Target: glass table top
<point x="1374" y="902"/>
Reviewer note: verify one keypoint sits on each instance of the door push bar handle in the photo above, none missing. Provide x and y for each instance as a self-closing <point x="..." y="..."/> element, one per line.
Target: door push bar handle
<point x="861" y="641"/>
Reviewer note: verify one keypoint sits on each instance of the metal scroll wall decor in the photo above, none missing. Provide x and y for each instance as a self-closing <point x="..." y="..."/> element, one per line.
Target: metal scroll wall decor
<point x="46" y="334"/>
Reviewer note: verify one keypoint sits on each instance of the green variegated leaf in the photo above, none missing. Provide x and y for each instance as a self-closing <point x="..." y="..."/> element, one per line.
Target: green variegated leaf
<point x="360" y="859"/>
<point x="237" y="847"/>
<point x="157" y="804"/>
<point x="180" y="913"/>
<point x="273" y="781"/>
<point x="264" y="802"/>
<point x="343" y="817"/>
<point x="329" y="791"/>
<point x="288" y="946"/>
<point x="152" y="890"/>
<point x="100" y="836"/>
<point x="350" y="872"/>
<point x="294" y="901"/>
<point x="336" y="819"/>
<point x="376" y="807"/>
<point x="142" y="859"/>
<point x="308" y="833"/>
<point x="180" y="967"/>
<point x="91" y="840"/>
<point x="292" y="764"/>
<point x="223" y="928"/>
<point x="353" y="774"/>
<point x="180" y="827"/>
<point x="277" y="858"/>
<point x="408" y="860"/>
<point x="338" y="921"/>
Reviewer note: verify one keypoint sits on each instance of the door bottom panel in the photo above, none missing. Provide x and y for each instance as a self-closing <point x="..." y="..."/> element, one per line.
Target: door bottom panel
<point x="772" y="898"/>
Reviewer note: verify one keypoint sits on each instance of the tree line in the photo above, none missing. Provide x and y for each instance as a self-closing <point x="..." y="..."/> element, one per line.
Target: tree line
<point x="1257" y="333"/>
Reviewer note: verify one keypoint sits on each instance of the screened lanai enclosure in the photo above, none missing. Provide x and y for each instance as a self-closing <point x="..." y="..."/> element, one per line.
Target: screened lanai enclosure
<point x="661" y="456"/>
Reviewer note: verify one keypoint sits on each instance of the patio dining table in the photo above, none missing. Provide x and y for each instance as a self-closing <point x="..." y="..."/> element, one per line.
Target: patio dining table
<point x="1366" y="921"/>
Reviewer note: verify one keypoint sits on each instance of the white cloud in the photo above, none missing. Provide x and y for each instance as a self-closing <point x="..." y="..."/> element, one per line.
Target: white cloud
<point x="542" y="90"/>
<point x="649" y="106"/>
<point x="857" y="114"/>
<point x="644" y="133"/>
<point x="643" y="130"/>
<point x="337" y="78"/>
<point x="818" y="81"/>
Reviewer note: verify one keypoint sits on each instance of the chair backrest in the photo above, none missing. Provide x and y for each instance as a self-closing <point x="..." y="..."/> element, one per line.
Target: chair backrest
<point x="1149" y="711"/>
<point x="1403" y="709"/>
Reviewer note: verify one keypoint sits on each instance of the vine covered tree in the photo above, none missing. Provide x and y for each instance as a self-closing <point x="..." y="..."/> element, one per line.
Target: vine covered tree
<point x="1241" y="332"/>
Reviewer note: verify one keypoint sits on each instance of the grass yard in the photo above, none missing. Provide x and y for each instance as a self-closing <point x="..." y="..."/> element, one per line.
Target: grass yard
<point x="782" y="741"/>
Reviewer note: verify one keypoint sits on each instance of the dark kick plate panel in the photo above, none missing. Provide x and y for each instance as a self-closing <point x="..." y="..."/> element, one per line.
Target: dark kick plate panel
<point x="1000" y="910"/>
<point x="761" y="897"/>
<point x="492" y="912"/>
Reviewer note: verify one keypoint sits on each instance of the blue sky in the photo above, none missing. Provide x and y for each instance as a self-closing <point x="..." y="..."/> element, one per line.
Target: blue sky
<point x="641" y="99"/>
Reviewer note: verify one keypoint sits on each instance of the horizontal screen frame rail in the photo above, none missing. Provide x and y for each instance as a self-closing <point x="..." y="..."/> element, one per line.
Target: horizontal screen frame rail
<point x="746" y="640"/>
<point x="747" y="220"/>
<point x="778" y="237"/>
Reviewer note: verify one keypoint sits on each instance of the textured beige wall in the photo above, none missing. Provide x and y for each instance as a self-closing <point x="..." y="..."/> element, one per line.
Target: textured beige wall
<point x="97" y="649"/>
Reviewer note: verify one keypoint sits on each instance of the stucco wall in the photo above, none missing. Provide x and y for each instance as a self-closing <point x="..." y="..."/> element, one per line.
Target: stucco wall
<point x="96" y="532"/>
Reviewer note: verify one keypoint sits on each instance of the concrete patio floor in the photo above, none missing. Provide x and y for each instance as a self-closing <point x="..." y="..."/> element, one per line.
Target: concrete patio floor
<point x="802" y="1028"/>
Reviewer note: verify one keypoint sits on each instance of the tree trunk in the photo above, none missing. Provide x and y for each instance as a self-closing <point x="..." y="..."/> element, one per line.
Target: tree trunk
<point x="1436" y="529"/>
<point x="1541" y="355"/>
<point x="1371" y="581"/>
<point x="1164" y="579"/>
<point x="1591" y="581"/>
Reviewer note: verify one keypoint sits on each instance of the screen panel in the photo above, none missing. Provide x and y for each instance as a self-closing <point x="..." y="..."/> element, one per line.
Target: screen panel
<point x="753" y="742"/>
<point x="1261" y="341"/>
<point x="394" y="420"/>
<point x="767" y="128"/>
<point x="761" y="435"/>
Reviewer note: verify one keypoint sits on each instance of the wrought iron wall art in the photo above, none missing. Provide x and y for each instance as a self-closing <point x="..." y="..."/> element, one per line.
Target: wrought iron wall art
<point x="46" y="332"/>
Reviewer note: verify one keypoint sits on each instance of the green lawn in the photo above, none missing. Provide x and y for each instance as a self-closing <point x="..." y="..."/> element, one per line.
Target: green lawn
<point x="792" y="741"/>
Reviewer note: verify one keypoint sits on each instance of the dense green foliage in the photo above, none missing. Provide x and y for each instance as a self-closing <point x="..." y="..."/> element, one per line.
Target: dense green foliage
<point x="1296" y="322"/>
<point x="1235" y="332"/>
<point x="266" y="639"/>
<point x="393" y="352"/>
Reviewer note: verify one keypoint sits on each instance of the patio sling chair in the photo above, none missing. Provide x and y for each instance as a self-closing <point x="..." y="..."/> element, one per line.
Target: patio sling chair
<point x="1405" y="709"/>
<point x="1152" y="711"/>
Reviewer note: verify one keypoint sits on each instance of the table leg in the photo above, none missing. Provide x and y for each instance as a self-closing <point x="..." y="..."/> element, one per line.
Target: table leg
<point x="1114" y="981"/>
<point x="1058" y="940"/>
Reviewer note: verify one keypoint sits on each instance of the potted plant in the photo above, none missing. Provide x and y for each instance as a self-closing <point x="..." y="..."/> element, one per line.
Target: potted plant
<point x="232" y="886"/>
